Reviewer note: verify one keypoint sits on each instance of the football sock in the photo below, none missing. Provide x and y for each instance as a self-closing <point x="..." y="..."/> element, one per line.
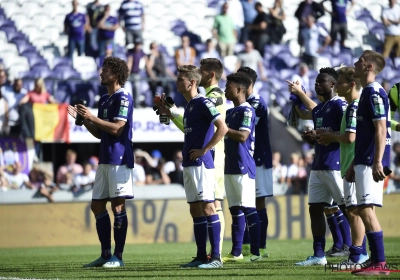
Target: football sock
<point x="355" y="252"/>
<point x="254" y="229"/>
<point x="103" y="227"/>
<point x="319" y="246"/>
<point x="375" y="239"/>
<point x="238" y="224"/>
<point x="335" y="231"/>
<point x="246" y="236"/>
<point x="222" y="221"/>
<point x="214" y="230"/>
<point x="344" y="227"/>
<point x="200" y="234"/>
<point x="262" y="215"/>
<point x="364" y="246"/>
<point x="120" y="230"/>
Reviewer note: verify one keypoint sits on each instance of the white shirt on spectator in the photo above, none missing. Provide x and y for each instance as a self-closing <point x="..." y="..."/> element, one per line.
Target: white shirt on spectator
<point x="311" y="39"/>
<point x="138" y="174"/>
<point x="304" y="81"/>
<point x="250" y="59"/>
<point x="81" y="180"/>
<point x="17" y="181"/>
<point x="13" y="100"/>
<point x="392" y="14"/>
<point x="293" y="171"/>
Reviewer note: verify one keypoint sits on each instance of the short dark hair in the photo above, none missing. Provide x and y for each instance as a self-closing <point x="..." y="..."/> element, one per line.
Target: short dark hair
<point x="376" y="58"/>
<point x="213" y="64"/>
<point x="240" y="79"/>
<point x="118" y="67"/>
<point x="250" y="73"/>
<point x="330" y="72"/>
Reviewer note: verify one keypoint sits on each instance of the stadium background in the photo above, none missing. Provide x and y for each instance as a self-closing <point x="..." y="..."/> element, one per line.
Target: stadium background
<point x="32" y="45"/>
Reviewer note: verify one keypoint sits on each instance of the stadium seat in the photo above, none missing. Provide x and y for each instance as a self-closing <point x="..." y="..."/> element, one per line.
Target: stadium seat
<point x="287" y="74"/>
<point x="42" y="21"/>
<point x="178" y="27"/>
<point x="16" y="69"/>
<point x="9" y="7"/>
<point x="61" y="61"/>
<point x="41" y="42"/>
<point x="34" y="60"/>
<point x="84" y="64"/>
<point x="31" y="8"/>
<point x="21" y="20"/>
<point x="397" y="62"/>
<point x="3" y="37"/>
<point x="230" y="62"/>
<point x="51" y="33"/>
<point x="52" y="8"/>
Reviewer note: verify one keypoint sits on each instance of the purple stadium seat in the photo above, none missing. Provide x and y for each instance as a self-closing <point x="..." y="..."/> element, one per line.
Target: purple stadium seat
<point x="287" y="74"/>
<point x="212" y="3"/>
<point x="397" y="63"/>
<point x="178" y="27"/>
<point x="364" y="13"/>
<point x="7" y="23"/>
<point x="289" y="59"/>
<point x="379" y="32"/>
<point x="200" y="48"/>
<point x="27" y="75"/>
<point x="278" y="49"/>
<point x="35" y="60"/>
<point x="278" y="63"/>
<point x="83" y="91"/>
<point x="64" y="91"/>
<point x="264" y="92"/>
<point x="62" y="61"/>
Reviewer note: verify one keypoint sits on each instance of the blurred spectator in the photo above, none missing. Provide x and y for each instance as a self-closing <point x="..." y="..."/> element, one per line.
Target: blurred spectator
<point x="132" y="13"/>
<point x="42" y="182"/>
<point x="276" y="27"/>
<point x="158" y="71"/>
<point x="293" y="173"/>
<point x="84" y="181"/>
<point x="157" y="175"/>
<point x="386" y="85"/>
<point x="135" y="58"/>
<point x="107" y="25"/>
<point x="249" y="13"/>
<point x="224" y="31"/>
<point x="310" y="36"/>
<point x="391" y="20"/>
<point x="14" y="97"/>
<point x="251" y="58"/>
<point x="144" y="159"/>
<point x="302" y="177"/>
<point x="395" y="175"/>
<point x="305" y="9"/>
<point x="4" y="116"/>
<point x="94" y="161"/>
<point x="174" y="168"/>
<point x="139" y="175"/>
<point x="3" y="181"/>
<point x="339" y="19"/>
<point x="107" y="53"/>
<point x="67" y="172"/>
<point x="279" y="170"/>
<point x="93" y="11"/>
<point x="235" y="11"/>
<point x="156" y="155"/>
<point x="16" y="179"/>
<point x="3" y="78"/>
<point x="186" y="54"/>
<point x="210" y="51"/>
<point x="259" y="33"/>
<point x="302" y="77"/>
<point x="74" y="26"/>
<point x="39" y="94"/>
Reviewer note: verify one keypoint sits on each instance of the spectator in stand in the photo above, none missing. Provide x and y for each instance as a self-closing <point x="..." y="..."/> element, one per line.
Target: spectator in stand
<point x="339" y="18"/>
<point x="93" y="11"/>
<point x="158" y="71"/>
<point x="107" y="53"/>
<point x="74" y="26"/>
<point x="386" y="85"/>
<point x="4" y="185"/>
<point x="293" y="174"/>
<point x="186" y="54"/>
<point x="132" y="13"/>
<point x="395" y="175"/>
<point x="14" y="97"/>
<point x="235" y="11"/>
<point x="94" y="161"/>
<point x="310" y="36"/>
<point x="135" y="58"/>
<point x="39" y="180"/>
<point x="84" y="181"/>
<point x="251" y="58"/>
<point x="4" y="116"/>
<point x="174" y="168"/>
<point x="139" y="175"/>
<point x="67" y="172"/>
<point x="391" y="20"/>
<point x="39" y="94"/>
<point x="3" y="78"/>
<point x="107" y="25"/>
<point x="305" y="9"/>
<point x="249" y="13"/>
<point x="276" y="27"/>
<point x="144" y="159"/>
<point x="302" y="176"/>
<point x="279" y="170"/>
<point x="16" y="179"/>
<point x="224" y="31"/>
<point x="210" y="51"/>
<point x="259" y="33"/>
<point x="302" y="77"/>
<point x="157" y="175"/>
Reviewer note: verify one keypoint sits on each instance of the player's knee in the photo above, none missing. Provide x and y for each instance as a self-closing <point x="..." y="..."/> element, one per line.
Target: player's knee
<point x="365" y="211"/>
<point x="316" y="208"/>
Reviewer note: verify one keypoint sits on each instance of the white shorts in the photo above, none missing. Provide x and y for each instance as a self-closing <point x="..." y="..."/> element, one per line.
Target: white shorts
<point x="349" y="190"/>
<point x="325" y="185"/>
<point x="199" y="184"/>
<point x="240" y="190"/>
<point x="113" y="181"/>
<point x="368" y="191"/>
<point x="264" y="187"/>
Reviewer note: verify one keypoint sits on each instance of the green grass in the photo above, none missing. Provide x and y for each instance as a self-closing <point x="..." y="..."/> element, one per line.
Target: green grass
<point x="163" y="260"/>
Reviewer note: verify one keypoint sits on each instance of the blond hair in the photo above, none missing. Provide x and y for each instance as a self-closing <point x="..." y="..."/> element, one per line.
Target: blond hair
<point x="349" y="74"/>
<point x="376" y="59"/>
<point x="39" y="82"/>
<point x="191" y="72"/>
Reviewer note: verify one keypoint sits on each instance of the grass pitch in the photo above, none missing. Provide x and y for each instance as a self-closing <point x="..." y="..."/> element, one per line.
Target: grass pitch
<point x="163" y="260"/>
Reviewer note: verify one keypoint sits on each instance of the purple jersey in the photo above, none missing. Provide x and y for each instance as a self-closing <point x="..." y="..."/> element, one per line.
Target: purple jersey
<point x="239" y="156"/>
<point x="116" y="150"/>
<point x="75" y="26"/>
<point x="105" y="34"/>
<point x="373" y="106"/>
<point x="327" y="116"/>
<point x="198" y="122"/>
<point x="262" y="150"/>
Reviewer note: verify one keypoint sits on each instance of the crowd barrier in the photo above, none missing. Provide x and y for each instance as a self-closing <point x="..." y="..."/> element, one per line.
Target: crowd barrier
<point x="153" y="218"/>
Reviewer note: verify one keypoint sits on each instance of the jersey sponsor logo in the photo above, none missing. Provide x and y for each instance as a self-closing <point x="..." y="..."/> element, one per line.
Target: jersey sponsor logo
<point x="246" y="121"/>
<point x="388" y="141"/>
<point x="125" y="103"/>
<point x="255" y="104"/>
<point x="105" y="113"/>
<point x="378" y="105"/>
<point x="123" y="111"/>
<point x="319" y="122"/>
<point x="213" y="111"/>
